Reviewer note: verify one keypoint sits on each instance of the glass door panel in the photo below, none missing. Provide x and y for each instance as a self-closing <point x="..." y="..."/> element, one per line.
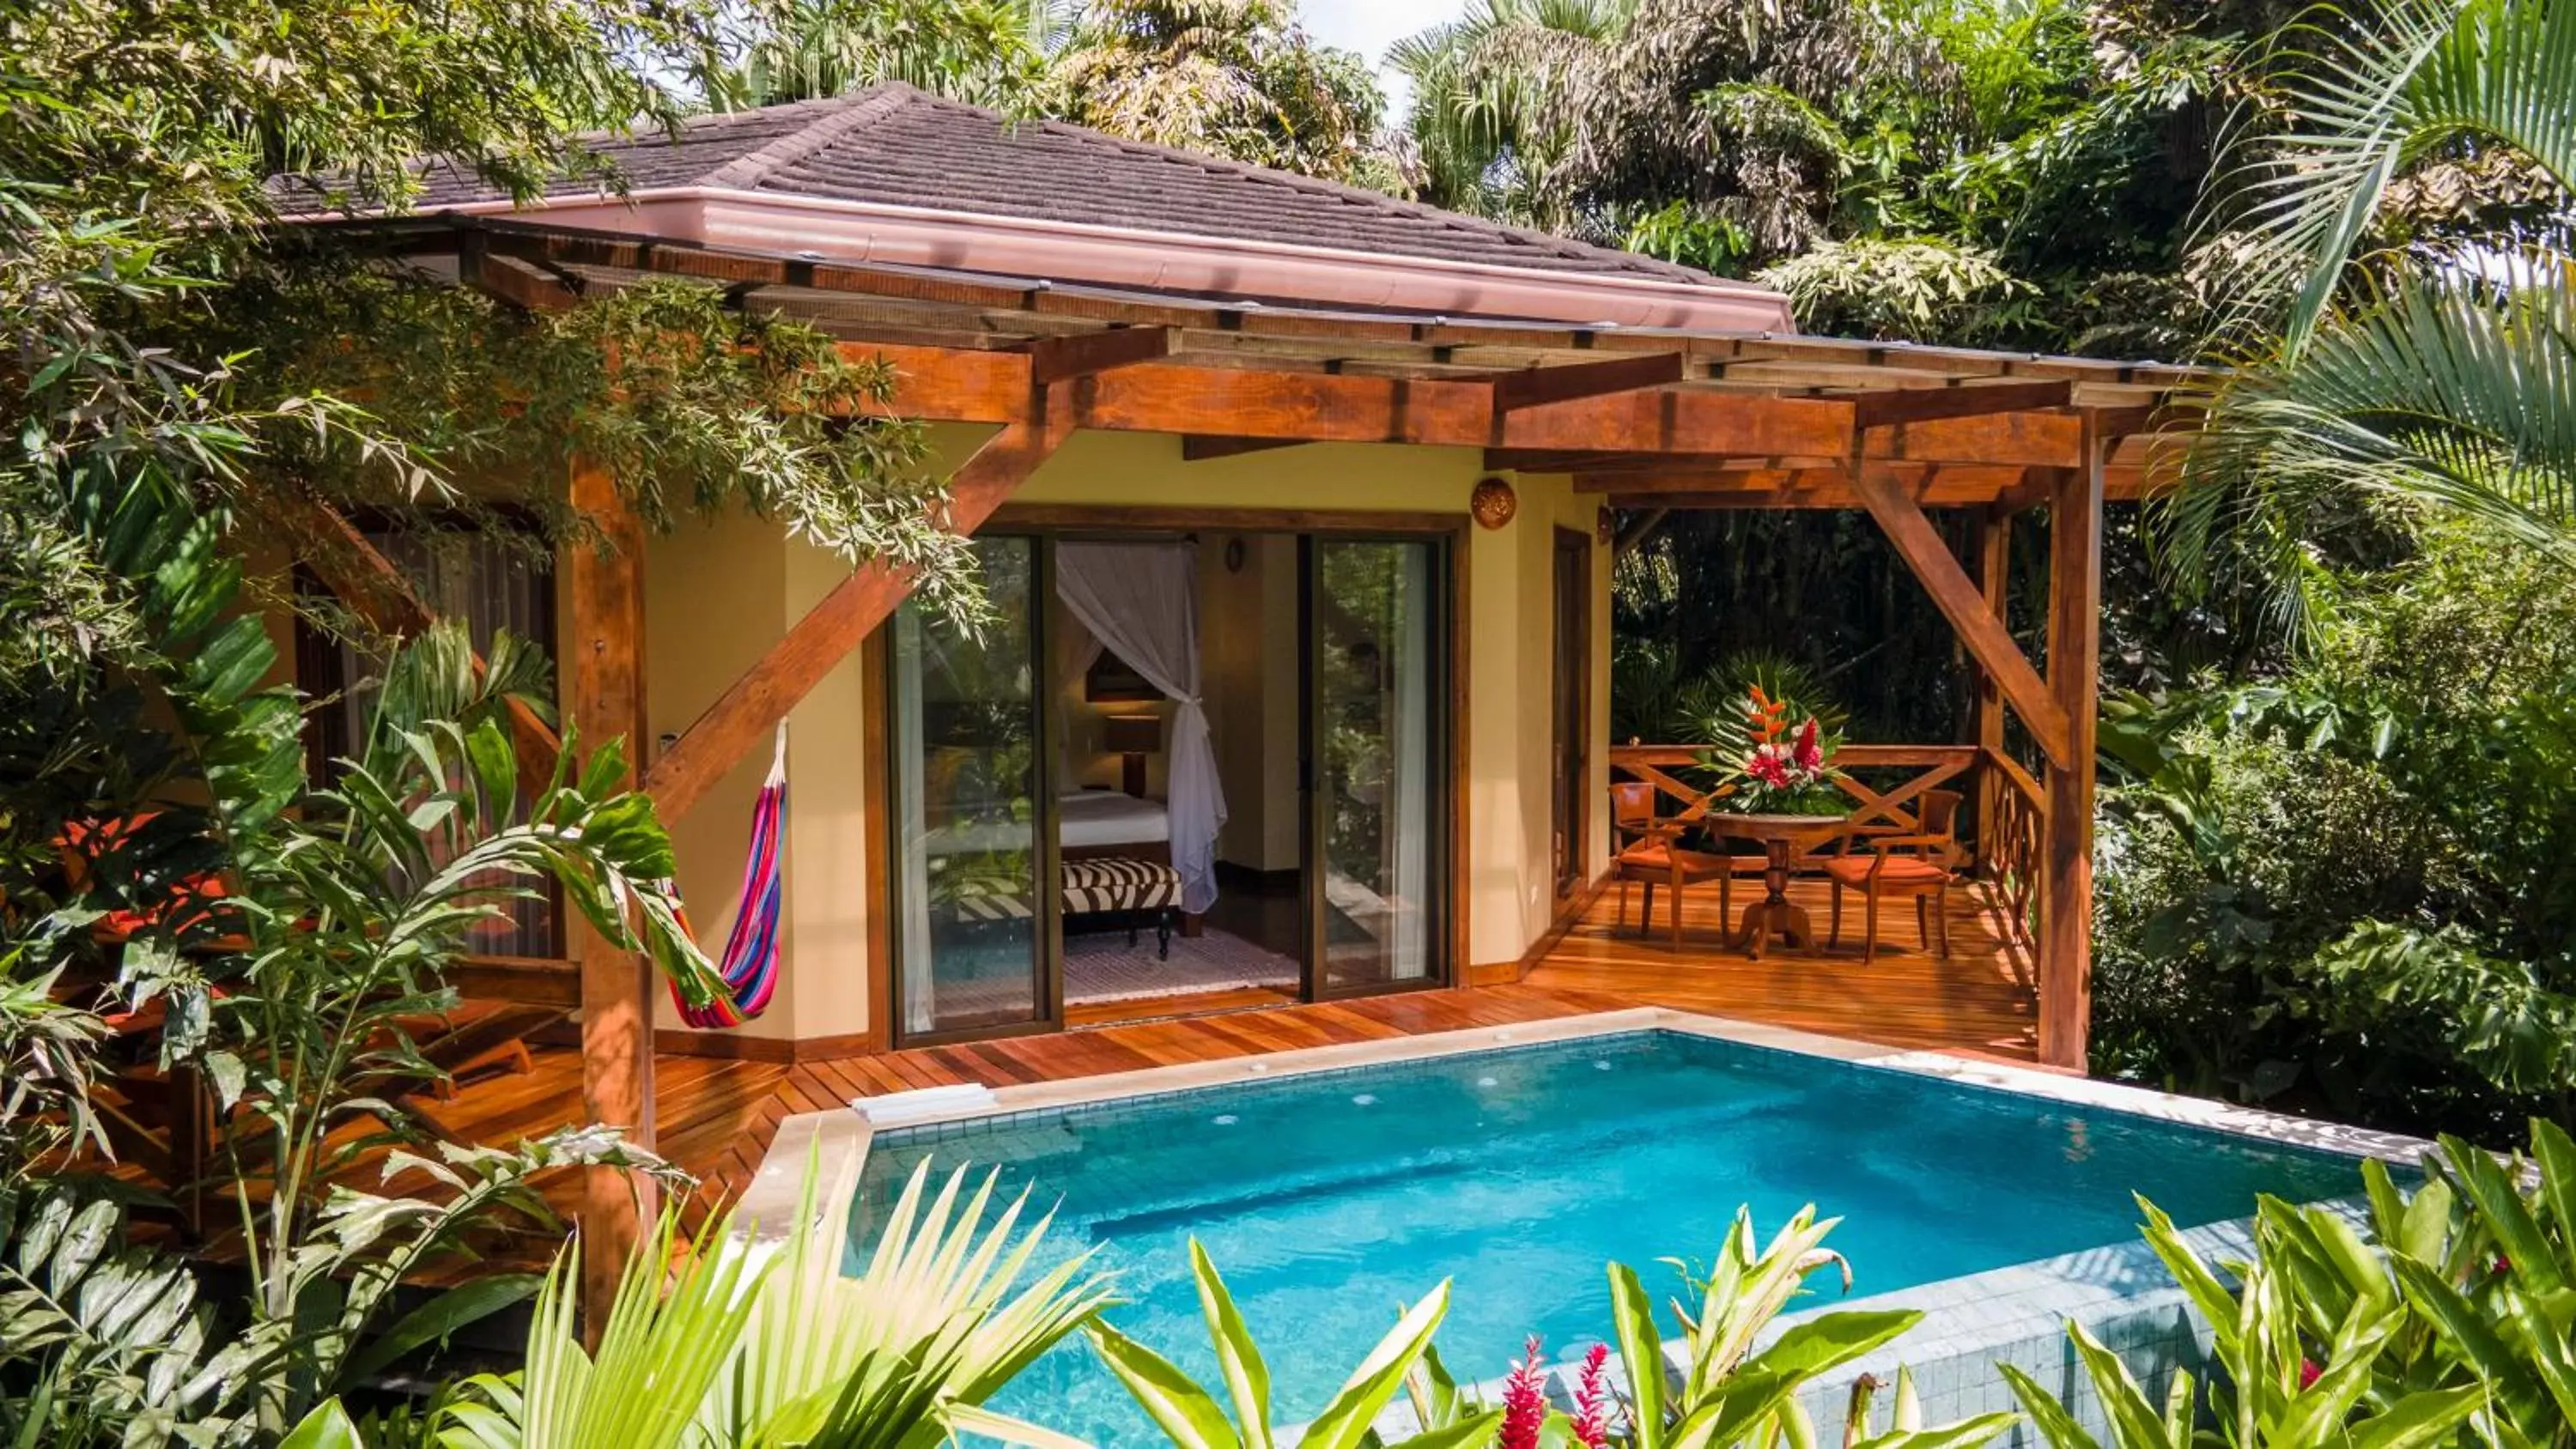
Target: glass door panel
<point x="971" y="843"/>
<point x="1380" y="802"/>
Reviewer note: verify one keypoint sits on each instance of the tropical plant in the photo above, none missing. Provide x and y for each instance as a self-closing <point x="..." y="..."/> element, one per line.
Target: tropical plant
<point x="746" y="1335"/>
<point x="109" y="1342"/>
<point x="2345" y="887"/>
<point x="1235" y="78"/>
<point x="2434" y="1327"/>
<point x="1496" y="98"/>
<point x="2422" y="362"/>
<point x="1728" y="1387"/>
<point x="1195" y="1418"/>
<point x="989" y="53"/>
<point x="1900" y="287"/>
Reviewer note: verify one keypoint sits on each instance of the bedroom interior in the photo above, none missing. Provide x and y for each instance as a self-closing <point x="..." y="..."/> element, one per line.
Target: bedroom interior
<point x="1130" y="726"/>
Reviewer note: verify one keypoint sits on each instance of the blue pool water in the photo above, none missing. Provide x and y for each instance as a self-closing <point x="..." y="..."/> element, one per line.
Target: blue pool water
<point x="1327" y="1200"/>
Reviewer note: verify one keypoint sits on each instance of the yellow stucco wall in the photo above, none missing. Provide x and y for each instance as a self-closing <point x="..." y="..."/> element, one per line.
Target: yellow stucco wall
<point x="718" y="595"/>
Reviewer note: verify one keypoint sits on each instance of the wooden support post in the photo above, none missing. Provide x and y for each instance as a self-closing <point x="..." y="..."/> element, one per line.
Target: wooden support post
<point x="2074" y="674"/>
<point x="1994" y="578"/>
<point x="604" y="680"/>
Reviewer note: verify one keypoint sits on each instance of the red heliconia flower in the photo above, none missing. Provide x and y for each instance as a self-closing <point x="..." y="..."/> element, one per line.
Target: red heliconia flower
<point x="1769" y="767"/>
<point x="1524" y="1402"/>
<point x="1810" y="752"/>
<point x="2309" y="1373"/>
<point x="1592" y="1399"/>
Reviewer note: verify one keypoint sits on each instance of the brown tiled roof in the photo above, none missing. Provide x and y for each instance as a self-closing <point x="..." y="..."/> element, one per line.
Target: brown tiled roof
<point x="894" y="145"/>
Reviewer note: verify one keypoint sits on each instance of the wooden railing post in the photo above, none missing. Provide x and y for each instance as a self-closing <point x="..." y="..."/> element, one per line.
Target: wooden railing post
<point x="1993" y="539"/>
<point x="2074" y="673"/>
<point x="604" y="679"/>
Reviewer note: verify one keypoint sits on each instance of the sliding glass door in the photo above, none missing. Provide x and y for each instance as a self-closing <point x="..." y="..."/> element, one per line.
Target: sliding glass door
<point x="1378" y="814"/>
<point x="974" y="931"/>
<point x="979" y="748"/>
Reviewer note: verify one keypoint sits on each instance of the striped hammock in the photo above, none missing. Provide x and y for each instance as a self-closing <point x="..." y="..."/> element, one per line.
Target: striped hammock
<point x="750" y="964"/>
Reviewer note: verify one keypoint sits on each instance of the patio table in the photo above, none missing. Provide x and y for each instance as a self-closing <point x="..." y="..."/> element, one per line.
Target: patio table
<point x="1780" y="836"/>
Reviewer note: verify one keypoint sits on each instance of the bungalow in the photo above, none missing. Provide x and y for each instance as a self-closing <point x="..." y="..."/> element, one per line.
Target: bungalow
<point x="1299" y="505"/>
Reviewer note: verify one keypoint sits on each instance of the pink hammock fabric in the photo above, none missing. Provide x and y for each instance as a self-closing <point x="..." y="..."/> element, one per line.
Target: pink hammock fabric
<point x="750" y="963"/>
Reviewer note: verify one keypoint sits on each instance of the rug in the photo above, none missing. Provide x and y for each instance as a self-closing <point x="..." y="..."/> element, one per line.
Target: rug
<point x="1100" y="966"/>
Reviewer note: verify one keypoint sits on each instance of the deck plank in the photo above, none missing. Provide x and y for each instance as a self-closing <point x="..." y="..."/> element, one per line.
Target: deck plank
<point x="716" y="1117"/>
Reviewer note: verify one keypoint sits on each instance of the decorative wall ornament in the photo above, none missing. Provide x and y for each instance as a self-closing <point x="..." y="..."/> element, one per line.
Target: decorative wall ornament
<point x="1493" y="503"/>
<point x="1605" y="529"/>
<point x="1234" y="555"/>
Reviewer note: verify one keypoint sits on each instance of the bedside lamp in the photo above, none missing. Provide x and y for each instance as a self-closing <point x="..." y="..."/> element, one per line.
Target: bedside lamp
<point x="1135" y="736"/>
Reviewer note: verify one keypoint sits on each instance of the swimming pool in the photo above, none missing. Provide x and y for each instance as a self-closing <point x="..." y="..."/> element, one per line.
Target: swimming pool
<point x="1329" y="1198"/>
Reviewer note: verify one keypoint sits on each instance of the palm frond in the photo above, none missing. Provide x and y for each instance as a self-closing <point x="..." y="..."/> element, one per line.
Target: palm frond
<point x="2366" y="99"/>
<point x="2435" y="393"/>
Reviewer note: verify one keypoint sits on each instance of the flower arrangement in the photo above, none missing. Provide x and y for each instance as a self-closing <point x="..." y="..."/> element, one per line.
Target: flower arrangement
<point x="1782" y="761"/>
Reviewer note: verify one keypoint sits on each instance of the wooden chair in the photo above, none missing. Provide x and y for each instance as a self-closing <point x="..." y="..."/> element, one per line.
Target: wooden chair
<point x="1920" y="863"/>
<point x="1649" y="857"/>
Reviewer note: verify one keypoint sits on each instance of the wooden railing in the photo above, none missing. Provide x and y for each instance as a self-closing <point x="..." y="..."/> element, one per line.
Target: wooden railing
<point x="2006" y="820"/>
<point x="2012" y="828"/>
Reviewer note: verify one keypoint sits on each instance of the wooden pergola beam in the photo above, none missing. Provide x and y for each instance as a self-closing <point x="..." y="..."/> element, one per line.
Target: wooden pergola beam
<point x="941" y="384"/>
<point x="1197" y="448"/>
<point x="1540" y="386"/>
<point x="509" y="282"/>
<point x="763" y="694"/>
<point x="1967" y="400"/>
<point x="1595" y="460"/>
<point x="1961" y="602"/>
<point x="1963" y="478"/>
<point x="1082" y="354"/>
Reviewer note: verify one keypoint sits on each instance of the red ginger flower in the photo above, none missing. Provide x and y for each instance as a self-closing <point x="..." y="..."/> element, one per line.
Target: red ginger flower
<point x="1524" y="1401"/>
<point x="2309" y="1373"/>
<point x="1810" y="753"/>
<point x="1769" y="767"/>
<point x="1592" y="1399"/>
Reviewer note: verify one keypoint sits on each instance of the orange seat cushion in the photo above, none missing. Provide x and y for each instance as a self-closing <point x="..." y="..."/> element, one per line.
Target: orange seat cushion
<point x="1660" y="857"/>
<point x="1900" y="870"/>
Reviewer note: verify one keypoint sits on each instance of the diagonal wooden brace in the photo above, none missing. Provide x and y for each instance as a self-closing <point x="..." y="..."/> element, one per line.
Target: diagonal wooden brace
<point x="1964" y="605"/>
<point x="361" y="577"/>
<point x="756" y="701"/>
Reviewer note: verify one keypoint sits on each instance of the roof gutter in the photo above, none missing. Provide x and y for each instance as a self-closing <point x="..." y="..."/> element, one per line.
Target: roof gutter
<point x="864" y="232"/>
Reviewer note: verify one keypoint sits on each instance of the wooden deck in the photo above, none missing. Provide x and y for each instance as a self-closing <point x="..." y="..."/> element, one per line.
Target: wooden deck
<point x="716" y="1118"/>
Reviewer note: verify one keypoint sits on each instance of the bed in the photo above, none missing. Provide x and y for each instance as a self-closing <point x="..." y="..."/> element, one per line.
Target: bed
<point x="1091" y="825"/>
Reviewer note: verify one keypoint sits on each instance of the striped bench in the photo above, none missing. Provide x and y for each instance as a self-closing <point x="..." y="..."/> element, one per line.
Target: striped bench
<point x="1093" y="887"/>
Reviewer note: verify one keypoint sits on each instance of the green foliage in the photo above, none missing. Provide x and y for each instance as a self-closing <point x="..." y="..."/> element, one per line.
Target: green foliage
<point x="2350" y="884"/>
<point x="2440" y="1325"/>
<point x="1894" y="288"/>
<point x="1494" y="96"/>
<point x="2396" y="261"/>
<point x="113" y="1343"/>
<point x="989" y="53"/>
<point x="1727" y="1391"/>
<point x="747" y="1336"/>
<point x="1724" y="1391"/>
<point x="1234" y="78"/>
<point x="1193" y="1417"/>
